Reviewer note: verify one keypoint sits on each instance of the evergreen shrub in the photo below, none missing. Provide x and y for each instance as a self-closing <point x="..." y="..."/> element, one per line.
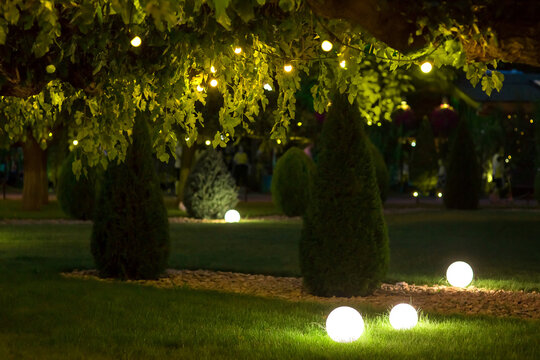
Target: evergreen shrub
<point x="210" y="188"/>
<point x="381" y="171"/>
<point x="292" y="181"/>
<point x="130" y="236"/>
<point x="76" y="197"/>
<point x="462" y="189"/>
<point x="344" y="242"/>
<point x="424" y="164"/>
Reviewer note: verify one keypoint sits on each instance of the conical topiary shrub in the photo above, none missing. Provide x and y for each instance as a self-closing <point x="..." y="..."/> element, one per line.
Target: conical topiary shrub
<point x="292" y="181"/>
<point x="76" y="197"/>
<point x="210" y="189"/>
<point x="130" y="236"/>
<point x="344" y="243"/>
<point x="462" y="189"/>
<point x="424" y="164"/>
<point x="381" y="171"/>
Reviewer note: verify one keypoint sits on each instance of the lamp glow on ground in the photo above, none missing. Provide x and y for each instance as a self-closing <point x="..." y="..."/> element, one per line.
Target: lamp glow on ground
<point x="403" y="317"/>
<point x="459" y="274"/>
<point x="232" y="216"/>
<point x="344" y="324"/>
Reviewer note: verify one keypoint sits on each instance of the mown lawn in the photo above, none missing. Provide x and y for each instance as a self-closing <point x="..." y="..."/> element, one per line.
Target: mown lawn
<point x="46" y="316"/>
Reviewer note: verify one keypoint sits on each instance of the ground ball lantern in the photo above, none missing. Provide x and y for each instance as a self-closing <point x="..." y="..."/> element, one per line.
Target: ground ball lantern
<point x="232" y="216"/>
<point x="403" y="317"/>
<point x="344" y="324"/>
<point x="459" y="274"/>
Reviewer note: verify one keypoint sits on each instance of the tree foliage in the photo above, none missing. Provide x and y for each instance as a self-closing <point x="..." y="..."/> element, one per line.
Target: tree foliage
<point x="344" y="243"/>
<point x="71" y="62"/>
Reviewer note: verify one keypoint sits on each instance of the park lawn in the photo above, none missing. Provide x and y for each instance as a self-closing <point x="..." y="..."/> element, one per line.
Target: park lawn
<point x="46" y="316"/>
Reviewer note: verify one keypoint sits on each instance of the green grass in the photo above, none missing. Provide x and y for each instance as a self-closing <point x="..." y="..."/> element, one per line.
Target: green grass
<point x="46" y="316"/>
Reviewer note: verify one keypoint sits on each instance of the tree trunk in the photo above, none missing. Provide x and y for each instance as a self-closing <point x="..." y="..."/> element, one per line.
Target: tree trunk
<point x="35" y="185"/>
<point x="188" y="157"/>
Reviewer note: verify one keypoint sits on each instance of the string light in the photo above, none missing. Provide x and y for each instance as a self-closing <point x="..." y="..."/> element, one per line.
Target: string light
<point x="278" y="141"/>
<point x="415" y="194"/>
<point x="426" y="67"/>
<point x="413" y="143"/>
<point x="267" y="87"/>
<point x="343" y="64"/>
<point x="439" y="194"/>
<point x="50" y="134"/>
<point x="75" y="142"/>
<point x="238" y="50"/>
<point x="531" y="121"/>
<point x="199" y="88"/>
<point x="207" y="142"/>
<point x="212" y="69"/>
<point x="379" y="124"/>
<point x="213" y="83"/>
<point x="288" y="68"/>
<point x="299" y="123"/>
<point x="136" y="41"/>
<point x="326" y="45"/>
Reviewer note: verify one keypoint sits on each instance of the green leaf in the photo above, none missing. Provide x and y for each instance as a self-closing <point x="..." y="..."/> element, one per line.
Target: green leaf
<point x="221" y="13"/>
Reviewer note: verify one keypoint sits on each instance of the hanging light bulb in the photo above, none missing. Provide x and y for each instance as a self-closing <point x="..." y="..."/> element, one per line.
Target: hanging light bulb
<point x="136" y="41"/>
<point x="213" y="83"/>
<point x="207" y="142"/>
<point x="212" y="69"/>
<point x="343" y="64"/>
<point x="267" y="87"/>
<point x="199" y="88"/>
<point x="75" y="142"/>
<point x="288" y="68"/>
<point x="426" y="67"/>
<point x="326" y="45"/>
<point x="238" y="50"/>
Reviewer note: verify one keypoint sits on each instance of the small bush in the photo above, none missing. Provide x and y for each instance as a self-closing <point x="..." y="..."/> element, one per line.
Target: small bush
<point x="130" y="236"/>
<point x="344" y="242"/>
<point x="381" y="171"/>
<point x="210" y="189"/>
<point x="462" y="188"/>
<point x="76" y="197"/>
<point x="292" y="181"/>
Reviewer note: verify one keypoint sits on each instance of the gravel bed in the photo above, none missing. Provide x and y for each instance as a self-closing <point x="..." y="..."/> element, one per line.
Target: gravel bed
<point x="433" y="299"/>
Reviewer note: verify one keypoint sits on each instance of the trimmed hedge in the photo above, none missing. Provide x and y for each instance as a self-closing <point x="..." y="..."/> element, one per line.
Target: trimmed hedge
<point x="344" y="242"/>
<point x="130" y="236"/>
<point x="292" y="181"/>
<point x="462" y="190"/>
<point x="210" y="189"/>
<point x="77" y="197"/>
<point x="381" y="171"/>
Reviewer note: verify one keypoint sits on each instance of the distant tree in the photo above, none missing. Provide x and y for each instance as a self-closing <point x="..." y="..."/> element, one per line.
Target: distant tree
<point x="423" y="166"/>
<point x="344" y="243"/>
<point x="462" y="188"/>
<point x="130" y="236"/>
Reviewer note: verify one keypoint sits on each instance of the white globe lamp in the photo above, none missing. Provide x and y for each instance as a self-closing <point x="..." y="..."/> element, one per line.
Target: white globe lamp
<point x="232" y="216"/>
<point x="459" y="274"/>
<point x="403" y="317"/>
<point x="344" y="324"/>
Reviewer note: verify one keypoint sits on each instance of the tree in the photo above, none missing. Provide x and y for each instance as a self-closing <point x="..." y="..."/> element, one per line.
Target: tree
<point x="130" y="235"/>
<point x="462" y="189"/>
<point x="344" y="243"/>
<point x="423" y="166"/>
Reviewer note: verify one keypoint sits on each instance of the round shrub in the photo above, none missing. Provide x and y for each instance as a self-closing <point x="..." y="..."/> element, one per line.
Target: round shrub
<point x="210" y="189"/>
<point x="76" y="197"/>
<point x="292" y="181"/>
<point x="344" y="242"/>
<point x="381" y="171"/>
<point x="130" y="236"/>
<point x="462" y="189"/>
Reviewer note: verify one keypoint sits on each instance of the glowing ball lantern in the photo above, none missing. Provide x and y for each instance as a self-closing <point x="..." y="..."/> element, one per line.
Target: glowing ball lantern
<point x="403" y="317"/>
<point x="344" y="324"/>
<point x="232" y="216"/>
<point x="213" y="83"/>
<point x="426" y="67"/>
<point x="326" y="45"/>
<point x="459" y="274"/>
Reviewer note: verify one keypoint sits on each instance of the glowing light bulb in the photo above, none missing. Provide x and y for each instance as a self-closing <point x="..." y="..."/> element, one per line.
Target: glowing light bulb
<point x="232" y="216"/>
<point x="326" y="45"/>
<point x="207" y="142"/>
<point x="212" y="69"/>
<point x="287" y="68"/>
<point x="413" y="143"/>
<point x="415" y="194"/>
<point x="459" y="274"/>
<point x="267" y="87"/>
<point x="531" y="121"/>
<point x="238" y="50"/>
<point x="75" y="142"/>
<point x="343" y="64"/>
<point x="439" y="194"/>
<point x="379" y="124"/>
<point x="403" y="317"/>
<point x="344" y="324"/>
<point x="50" y="134"/>
<point x="369" y="123"/>
<point x="426" y="67"/>
<point x="199" y="88"/>
<point x="299" y="123"/>
<point x="278" y="141"/>
<point x="213" y="83"/>
<point x="136" y="41"/>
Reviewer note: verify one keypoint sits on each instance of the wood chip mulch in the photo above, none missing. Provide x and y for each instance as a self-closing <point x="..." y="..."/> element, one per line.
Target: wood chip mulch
<point x="433" y="299"/>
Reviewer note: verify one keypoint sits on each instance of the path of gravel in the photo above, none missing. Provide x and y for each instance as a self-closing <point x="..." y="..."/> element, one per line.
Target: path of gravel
<point x="432" y="299"/>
